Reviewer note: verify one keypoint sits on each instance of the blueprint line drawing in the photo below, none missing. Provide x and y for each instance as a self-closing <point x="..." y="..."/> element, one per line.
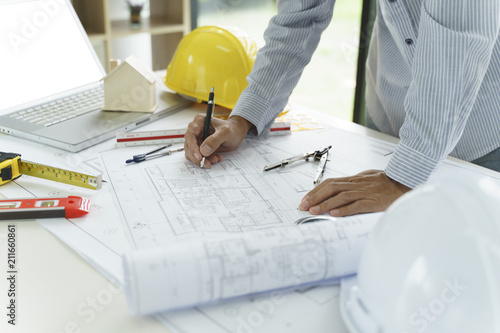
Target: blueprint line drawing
<point x="170" y="199"/>
<point x="203" y="235"/>
<point x="197" y="271"/>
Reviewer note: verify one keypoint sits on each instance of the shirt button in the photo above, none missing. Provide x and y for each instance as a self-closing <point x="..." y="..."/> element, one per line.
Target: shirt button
<point x="409" y="41"/>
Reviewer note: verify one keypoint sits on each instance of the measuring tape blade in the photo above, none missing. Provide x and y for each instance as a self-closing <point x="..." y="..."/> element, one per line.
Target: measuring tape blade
<point x="70" y="207"/>
<point x="60" y="175"/>
<point x="177" y="136"/>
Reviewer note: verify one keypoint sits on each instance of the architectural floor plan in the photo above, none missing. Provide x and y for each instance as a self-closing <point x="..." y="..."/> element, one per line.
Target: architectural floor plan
<point x="169" y="199"/>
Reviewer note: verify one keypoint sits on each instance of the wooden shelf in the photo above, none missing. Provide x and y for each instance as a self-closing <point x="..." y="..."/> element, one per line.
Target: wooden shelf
<point x="92" y="14"/>
<point x="122" y="28"/>
<point x="169" y="21"/>
<point x="97" y="37"/>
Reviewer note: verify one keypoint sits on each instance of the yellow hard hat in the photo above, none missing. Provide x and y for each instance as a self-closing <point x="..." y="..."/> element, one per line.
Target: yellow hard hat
<point x="208" y="57"/>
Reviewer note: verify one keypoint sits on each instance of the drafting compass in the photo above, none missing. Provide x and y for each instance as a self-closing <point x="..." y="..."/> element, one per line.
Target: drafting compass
<point x="321" y="154"/>
<point x="151" y="155"/>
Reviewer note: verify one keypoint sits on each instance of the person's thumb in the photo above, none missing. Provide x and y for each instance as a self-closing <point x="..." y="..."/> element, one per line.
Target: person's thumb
<point x="205" y="148"/>
<point x="214" y="141"/>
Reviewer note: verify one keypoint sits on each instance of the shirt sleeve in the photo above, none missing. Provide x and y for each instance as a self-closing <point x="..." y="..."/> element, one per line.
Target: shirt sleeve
<point x="291" y="38"/>
<point x="452" y="54"/>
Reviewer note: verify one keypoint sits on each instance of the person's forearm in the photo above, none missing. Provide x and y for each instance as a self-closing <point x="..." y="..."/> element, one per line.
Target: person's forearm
<point x="241" y="122"/>
<point x="450" y="60"/>
<point x="291" y="38"/>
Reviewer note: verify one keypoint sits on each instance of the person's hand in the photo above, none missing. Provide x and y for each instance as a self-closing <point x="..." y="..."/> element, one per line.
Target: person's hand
<point x="367" y="192"/>
<point x="225" y="135"/>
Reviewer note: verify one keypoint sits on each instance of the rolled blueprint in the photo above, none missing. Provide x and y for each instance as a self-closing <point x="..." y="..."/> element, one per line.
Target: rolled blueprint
<point x="201" y="271"/>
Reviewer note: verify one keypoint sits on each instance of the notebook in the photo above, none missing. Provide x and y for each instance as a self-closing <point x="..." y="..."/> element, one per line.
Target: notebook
<point x="50" y="83"/>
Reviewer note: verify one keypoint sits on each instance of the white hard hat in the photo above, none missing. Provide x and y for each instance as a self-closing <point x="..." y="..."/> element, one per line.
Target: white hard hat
<point x="432" y="264"/>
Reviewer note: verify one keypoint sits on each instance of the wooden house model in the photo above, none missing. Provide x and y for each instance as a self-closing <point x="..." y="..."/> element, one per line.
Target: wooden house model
<point x="129" y="86"/>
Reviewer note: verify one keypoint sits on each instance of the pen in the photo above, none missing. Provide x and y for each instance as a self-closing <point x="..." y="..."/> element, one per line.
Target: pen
<point x="208" y="118"/>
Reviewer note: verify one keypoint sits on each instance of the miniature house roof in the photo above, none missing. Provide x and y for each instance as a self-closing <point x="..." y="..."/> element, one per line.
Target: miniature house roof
<point x="136" y="65"/>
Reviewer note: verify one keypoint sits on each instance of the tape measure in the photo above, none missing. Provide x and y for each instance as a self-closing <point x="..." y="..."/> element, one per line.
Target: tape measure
<point x="70" y="207"/>
<point x="177" y="135"/>
<point x="11" y="167"/>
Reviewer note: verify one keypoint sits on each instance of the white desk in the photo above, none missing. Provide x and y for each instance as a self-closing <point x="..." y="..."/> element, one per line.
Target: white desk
<point x="58" y="291"/>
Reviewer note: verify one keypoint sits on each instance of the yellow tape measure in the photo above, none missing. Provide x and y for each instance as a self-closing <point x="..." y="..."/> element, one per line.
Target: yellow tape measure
<point x="11" y="167"/>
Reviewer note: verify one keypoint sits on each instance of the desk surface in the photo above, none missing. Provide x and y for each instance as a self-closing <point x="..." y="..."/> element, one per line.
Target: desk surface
<point x="58" y="291"/>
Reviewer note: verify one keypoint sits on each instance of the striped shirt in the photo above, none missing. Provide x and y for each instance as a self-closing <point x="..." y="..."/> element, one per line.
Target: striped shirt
<point x="433" y="76"/>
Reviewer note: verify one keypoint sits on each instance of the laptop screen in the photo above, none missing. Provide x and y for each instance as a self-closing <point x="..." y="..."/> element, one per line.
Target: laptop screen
<point x="43" y="51"/>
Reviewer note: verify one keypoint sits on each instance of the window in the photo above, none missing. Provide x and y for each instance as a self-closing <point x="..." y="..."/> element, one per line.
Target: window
<point x="328" y="82"/>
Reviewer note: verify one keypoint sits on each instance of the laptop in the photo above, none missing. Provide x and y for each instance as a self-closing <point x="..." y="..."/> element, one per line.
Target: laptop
<point x="50" y="83"/>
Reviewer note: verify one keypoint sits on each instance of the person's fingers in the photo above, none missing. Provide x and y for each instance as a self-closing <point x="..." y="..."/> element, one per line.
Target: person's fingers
<point x="328" y="183"/>
<point x="338" y="200"/>
<point x="210" y="160"/>
<point x="368" y="191"/>
<point x="194" y="131"/>
<point x="328" y="188"/>
<point x="221" y="138"/>
<point x="225" y="135"/>
<point x="357" y="207"/>
<point x="225" y="138"/>
<point x="215" y="158"/>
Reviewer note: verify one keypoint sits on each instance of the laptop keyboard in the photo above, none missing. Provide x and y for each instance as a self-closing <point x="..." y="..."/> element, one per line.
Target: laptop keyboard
<point x="62" y="109"/>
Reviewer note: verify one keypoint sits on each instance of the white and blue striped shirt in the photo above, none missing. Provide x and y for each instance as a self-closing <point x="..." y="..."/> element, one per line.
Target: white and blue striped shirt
<point x="433" y="76"/>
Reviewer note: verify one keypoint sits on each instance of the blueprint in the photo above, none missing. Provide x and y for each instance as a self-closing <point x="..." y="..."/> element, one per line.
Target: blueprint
<point x="165" y="200"/>
<point x="168" y="199"/>
<point x="115" y="227"/>
<point x="191" y="272"/>
<point x="244" y="217"/>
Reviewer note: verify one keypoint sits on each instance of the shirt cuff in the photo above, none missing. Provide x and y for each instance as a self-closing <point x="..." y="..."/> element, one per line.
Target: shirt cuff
<point x="254" y="109"/>
<point x="410" y="167"/>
